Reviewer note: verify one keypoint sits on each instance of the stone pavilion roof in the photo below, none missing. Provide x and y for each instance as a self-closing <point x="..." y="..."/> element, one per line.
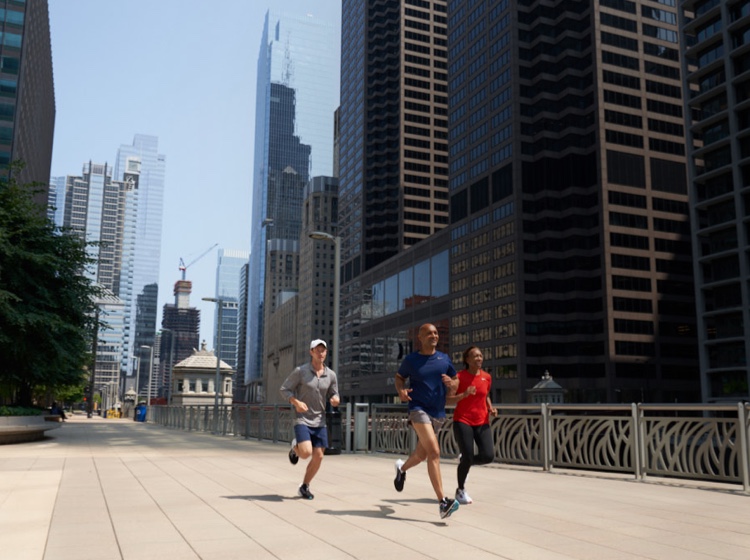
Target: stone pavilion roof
<point x="202" y="359"/>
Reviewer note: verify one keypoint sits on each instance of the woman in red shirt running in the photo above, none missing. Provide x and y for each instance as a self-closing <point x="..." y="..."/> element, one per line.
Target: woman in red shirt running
<point x="471" y="422"/>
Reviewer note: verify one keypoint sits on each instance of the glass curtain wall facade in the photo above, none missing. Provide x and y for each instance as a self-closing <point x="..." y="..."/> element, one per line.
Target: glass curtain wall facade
<point x="143" y="167"/>
<point x="93" y="205"/>
<point x="718" y="85"/>
<point x="108" y="377"/>
<point x="228" y="268"/>
<point x="569" y="204"/>
<point x="297" y="94"/>
<point x="56" y="200"/>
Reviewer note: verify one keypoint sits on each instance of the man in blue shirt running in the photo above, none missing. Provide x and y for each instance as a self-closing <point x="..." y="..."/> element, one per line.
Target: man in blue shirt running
<point x="431" y="376"/>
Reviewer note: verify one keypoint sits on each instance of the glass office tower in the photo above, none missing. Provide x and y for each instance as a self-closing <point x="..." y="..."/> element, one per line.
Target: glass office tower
<point x="142" y="166"/>
<point x="92" y="204"/>
<point x="228" y="268"/>
<point x="297" y="94"/>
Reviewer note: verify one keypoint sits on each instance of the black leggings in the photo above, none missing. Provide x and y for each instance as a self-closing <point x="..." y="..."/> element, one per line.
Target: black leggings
<point x="465" y="437"/>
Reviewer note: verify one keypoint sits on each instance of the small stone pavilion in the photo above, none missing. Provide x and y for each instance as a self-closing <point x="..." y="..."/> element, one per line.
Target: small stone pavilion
<point x="193" y="379"/>
<point x="547" y="391"/>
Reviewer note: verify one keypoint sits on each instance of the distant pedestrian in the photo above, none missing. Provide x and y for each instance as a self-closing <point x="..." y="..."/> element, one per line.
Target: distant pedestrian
<point x="59" y="411"/>
<point x="471" y="423"/>
<point x="431" y="377"/>
<point x="308" y="388"/>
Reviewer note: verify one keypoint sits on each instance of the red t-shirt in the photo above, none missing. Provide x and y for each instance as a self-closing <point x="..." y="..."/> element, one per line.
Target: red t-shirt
<point x="472" y="409"/>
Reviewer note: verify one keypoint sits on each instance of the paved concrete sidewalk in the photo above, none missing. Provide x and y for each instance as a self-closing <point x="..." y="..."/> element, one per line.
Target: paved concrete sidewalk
<point x="117" y="489"/>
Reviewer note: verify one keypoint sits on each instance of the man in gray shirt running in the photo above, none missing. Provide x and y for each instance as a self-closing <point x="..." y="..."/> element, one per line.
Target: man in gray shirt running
<point x="307" y="389"/>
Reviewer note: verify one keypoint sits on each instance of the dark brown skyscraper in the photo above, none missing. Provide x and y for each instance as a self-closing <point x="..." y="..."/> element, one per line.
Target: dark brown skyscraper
<point x="393" y="128"/>
<point x="569" y="207"/>
<point x="27" y="96"/>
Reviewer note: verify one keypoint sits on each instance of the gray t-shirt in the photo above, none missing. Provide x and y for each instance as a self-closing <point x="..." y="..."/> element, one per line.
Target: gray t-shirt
<point x="304" y="385"/>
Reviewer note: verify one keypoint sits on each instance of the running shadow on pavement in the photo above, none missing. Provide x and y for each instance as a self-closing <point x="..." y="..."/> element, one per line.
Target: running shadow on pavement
<point x="383" y="512"/>
<point x="262" y="498"/>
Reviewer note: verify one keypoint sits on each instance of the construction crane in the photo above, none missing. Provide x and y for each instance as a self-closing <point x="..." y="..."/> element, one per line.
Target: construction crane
<point x="183" y="267"/>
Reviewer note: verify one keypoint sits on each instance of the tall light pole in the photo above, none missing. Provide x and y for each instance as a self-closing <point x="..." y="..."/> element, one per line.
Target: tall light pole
<point x="336" y="240"/>
<point x="150" y="371"/>
<point x="92" y="378"/>
<point x="136" y="373"/>
<point x="217" y="350"/>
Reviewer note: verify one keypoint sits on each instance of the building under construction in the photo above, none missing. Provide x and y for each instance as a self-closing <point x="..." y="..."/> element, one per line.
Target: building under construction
<point x="180" y="333"/>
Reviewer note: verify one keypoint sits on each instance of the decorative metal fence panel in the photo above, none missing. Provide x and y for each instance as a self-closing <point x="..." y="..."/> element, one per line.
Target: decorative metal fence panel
<point x="701" y="442"/>
<point x="593" y="442"/>
<point x="389" y="430"/>
<point x="518" y="439"/>
<point x="698" y="446"/>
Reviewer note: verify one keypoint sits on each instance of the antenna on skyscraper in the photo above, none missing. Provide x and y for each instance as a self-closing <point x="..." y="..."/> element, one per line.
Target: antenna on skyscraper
<point x="287" y="72"/>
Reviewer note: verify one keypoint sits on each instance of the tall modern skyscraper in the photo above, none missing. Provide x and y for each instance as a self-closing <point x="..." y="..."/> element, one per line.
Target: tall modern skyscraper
<point x="27" y="95"/>
<point x="297" y="94"/>
<point x="95" y="206"/>
<point x="393" y="176"/>
<point x="716" y="36"/>
<point x="393" y="129"/>
<point x="569" y="202"/>
<point x="122" y="211"/>
<point x="142" y="166"/>
<point x="228" y="269"/>
<point x="569" y="229"/>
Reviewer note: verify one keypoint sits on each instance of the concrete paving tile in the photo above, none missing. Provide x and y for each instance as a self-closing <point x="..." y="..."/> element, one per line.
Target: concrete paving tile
<point x="89" y="550"/>
<point x="152" y="492"/>
<point x="158" y="550"/>
<point x="231" y="549"/>
<point x="708" y="547"/>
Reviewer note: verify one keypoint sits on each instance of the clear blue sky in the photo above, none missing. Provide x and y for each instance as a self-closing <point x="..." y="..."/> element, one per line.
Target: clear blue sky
<point x="184" y="71"/>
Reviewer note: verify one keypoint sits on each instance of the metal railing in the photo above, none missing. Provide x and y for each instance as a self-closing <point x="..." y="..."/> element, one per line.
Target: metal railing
<point x="699" y="442"/>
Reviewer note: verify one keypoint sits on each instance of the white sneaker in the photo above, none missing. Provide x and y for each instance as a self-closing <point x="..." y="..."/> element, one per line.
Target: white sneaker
<point x="462" y="497"/>
<point x="398" y="482"/>
<point x="293" y="458"/>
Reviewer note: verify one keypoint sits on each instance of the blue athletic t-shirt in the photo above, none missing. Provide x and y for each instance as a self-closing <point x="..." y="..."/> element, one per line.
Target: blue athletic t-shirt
<point x="425" y="380"/>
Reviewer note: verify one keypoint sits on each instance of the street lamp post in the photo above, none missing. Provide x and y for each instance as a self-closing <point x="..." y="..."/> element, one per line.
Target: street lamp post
<point x="217" y="350"/>
<point x="136" y="373"/>
<point x="336" y="240"/>
<point x="150" y="372"/>
<point x="92" y="379"/>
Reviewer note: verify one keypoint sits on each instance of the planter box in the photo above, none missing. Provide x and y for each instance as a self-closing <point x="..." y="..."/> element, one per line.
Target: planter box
<point x="21" y="429"/>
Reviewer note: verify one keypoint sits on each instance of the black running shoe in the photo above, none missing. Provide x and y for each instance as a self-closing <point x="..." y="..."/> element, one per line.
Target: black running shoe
<point x="304" y="491"/>
<point x="447" y="507"/>
<point x="293" y="457"/>
<point x="398" y="482"/>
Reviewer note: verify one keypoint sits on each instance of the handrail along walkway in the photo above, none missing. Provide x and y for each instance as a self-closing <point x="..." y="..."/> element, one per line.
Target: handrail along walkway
<point x="693" y="441"/>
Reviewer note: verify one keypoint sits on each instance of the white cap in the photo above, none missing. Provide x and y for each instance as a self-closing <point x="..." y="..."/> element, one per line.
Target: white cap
<point x="317" y="342"/>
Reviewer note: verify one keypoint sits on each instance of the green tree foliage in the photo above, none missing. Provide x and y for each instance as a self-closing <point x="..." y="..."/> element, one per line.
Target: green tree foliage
<point x="47" y="305"/>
